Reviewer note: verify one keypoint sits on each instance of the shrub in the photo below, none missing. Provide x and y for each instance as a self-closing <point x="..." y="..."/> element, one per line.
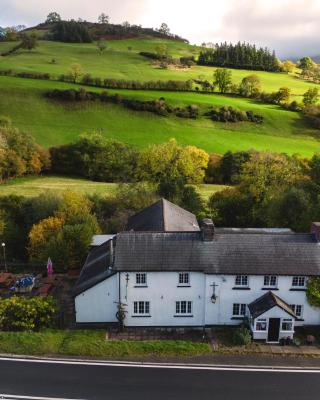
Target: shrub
<point x="20" y="154"/>
<point x="187" y="61"/>
<point x="33" y="75"/>
<point x="23" y="313"/>
<point x="5" y="121"/>
<point x="241" y="336"/>
<point x="230" y="114"/>
<point x="313" y="292"/>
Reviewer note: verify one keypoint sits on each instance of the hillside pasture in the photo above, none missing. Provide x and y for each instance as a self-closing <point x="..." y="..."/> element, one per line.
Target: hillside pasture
<point x="121" y="60"/>
<point x="53" y="123"/>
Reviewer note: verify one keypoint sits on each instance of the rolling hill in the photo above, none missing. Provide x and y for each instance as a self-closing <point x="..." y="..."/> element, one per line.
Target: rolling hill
<point x="53" y="123"/>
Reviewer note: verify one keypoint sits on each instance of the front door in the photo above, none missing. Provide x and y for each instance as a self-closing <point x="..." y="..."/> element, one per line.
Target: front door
<point x="273" y="331"/>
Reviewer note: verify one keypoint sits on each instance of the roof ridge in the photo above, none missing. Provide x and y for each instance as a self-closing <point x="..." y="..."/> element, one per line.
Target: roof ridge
<point x="163" y="212"/>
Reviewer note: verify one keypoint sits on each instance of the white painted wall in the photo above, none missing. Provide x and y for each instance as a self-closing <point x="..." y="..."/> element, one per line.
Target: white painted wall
<point x="220" y="313"/>
<point x="162" y="292"/>
<point x="97" y="304"/>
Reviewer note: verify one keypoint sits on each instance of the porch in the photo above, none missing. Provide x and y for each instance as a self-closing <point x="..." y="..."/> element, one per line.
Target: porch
<point x="271" y="319"/>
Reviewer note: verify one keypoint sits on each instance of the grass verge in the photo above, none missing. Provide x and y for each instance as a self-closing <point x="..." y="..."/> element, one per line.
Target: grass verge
<point x="93" y="344"/>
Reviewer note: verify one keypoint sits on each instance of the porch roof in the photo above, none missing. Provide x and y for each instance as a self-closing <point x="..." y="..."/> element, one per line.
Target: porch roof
<point x="266" y="302"/>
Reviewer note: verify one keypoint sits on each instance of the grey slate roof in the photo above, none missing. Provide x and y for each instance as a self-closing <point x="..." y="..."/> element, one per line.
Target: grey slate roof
<point x="95" y="269"/>
<point x="266" y="302"/>
<point x="228" y="253"/>
<point x="163" y="216"/>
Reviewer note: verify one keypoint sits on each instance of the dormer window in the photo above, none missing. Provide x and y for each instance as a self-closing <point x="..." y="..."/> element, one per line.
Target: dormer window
<point x="141" y="279"/>
<point x="184" y="279"/>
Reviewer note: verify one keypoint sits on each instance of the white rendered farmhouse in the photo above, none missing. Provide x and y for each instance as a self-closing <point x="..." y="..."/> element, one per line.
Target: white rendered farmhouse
<point x="169" y="272"/>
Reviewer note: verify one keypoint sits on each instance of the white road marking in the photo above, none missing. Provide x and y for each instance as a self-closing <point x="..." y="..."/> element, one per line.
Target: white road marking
<point x="15" y="397"/>
<point x="206" y="367"/>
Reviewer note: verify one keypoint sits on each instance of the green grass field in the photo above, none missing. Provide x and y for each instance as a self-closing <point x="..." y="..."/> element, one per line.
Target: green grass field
<point x="33" y="186"/>
<point x="121" y="63"/>
<point x="53" y="123"/>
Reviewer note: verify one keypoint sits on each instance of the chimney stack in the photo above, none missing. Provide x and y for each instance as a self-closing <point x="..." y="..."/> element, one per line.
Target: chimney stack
<point x="315" y="229"/>
<point x="207" y="228"/>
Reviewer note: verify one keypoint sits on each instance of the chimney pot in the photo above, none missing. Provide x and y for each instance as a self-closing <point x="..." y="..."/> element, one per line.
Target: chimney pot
<point x="315" y="229"/>
<point x="207" y="228"/>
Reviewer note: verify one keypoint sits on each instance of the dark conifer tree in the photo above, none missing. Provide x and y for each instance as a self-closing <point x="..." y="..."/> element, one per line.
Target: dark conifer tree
<point x="240" y="55"/>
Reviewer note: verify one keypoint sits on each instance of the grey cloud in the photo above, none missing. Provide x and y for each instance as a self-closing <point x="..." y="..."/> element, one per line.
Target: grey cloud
<point x="31" y="12"/>
<point x="290" y="27"/>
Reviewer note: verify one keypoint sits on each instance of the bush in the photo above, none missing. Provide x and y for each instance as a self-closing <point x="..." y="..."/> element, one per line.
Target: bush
<point x="33" y="75"/>
<point x="5" y="121"/>
<point x="20" y="154"/>
<point x="23" y="313"/>
<point x="230" y="114"/>
<point x="313" y="291"/>
<point x="187" y="61"/>
<point x="241" y="336"/>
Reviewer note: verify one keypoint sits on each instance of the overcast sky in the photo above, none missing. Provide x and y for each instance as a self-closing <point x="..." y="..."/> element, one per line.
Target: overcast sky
<point x="291" y="27"/>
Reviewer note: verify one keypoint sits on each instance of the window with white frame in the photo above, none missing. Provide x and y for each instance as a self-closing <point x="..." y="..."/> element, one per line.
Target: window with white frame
<point x="184" y="279"/>
<point x="261" y="324"/>
<point x="141" y="279"/>
<point x="241" y="280"/>
<point x="183" y="307"/>
<point x="299" y="281"/>
<point x="270" y="281"/>
<point x="287" y="324"/>
<point x="239" y="310"/>
<point x="141" y="307"/>
<point x="297" y="309"/>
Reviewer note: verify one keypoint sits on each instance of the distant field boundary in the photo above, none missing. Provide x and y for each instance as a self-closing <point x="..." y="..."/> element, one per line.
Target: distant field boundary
<point x="122" y="85"/>
<point x="137" y="85"/>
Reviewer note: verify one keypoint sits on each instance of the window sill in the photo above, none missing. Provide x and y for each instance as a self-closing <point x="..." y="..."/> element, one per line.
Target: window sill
<point x="269" y="288"/>
<point x="238" y="318"/>
<point x="183" y="286"/>
<point x="240" y="288"/>
<point x="140" y="316"/>
<point x="298" y="289"/>
<point x="141" y="286"/>
<point x="183" y="316"/>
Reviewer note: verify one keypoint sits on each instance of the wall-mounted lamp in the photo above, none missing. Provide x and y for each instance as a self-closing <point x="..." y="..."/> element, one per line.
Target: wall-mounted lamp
<point x="214" y="296"/>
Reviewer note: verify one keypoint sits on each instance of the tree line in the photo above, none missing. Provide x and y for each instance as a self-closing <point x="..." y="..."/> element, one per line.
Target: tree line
<point x="61" y="226"/>
<point x="264" y="190"/>
<point x="269" y="190"/>
<point x="241" y="56"/>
